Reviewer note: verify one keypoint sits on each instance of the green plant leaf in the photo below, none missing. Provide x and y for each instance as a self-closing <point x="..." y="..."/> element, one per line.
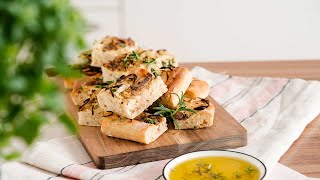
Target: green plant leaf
<point x="34" y="35"/>
<point x="66" y="120"/>
<point x="12" y="155"/>
<point x="29" y="129"/>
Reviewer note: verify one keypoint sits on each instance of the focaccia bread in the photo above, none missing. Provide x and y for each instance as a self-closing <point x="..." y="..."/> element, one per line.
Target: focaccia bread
<point x="145" y="128"/>
<point x="85" y="88"/>
<point x="109" y="48"/>
<point x="203" y="118"/>
<point x="86" y="71"/>
<point x="198" y="89"/>
<point x="132" y="94"/>
<point x="132" y="62"/>
<point x="84" y="96"/>
<point x="177" y="81"/>
<point x="90" y="113"/>
<point x="167" y="60"/>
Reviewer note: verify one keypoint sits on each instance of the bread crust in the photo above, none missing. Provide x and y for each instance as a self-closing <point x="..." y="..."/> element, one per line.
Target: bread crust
<point x="198" y="89"/>
<point x="133" y="129"/>
<point x="203" y="118"/>
<point x="91" y="115"/>
<point x="69" y="83"/>
<point x="177" y="81"/>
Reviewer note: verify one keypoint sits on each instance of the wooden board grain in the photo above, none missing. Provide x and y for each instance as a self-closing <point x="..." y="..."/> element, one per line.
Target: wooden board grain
<point x="108" y="152"/>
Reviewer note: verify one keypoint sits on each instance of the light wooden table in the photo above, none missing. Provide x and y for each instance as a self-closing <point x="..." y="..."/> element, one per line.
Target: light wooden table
<point x="304" y="154"/>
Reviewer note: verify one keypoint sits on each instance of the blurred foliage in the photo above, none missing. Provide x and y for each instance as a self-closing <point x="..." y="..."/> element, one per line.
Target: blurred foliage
<point x="34" y="35"/>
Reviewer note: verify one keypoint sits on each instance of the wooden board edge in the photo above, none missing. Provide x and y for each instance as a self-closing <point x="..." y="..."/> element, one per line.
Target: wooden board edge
<point x="172" y="151"/>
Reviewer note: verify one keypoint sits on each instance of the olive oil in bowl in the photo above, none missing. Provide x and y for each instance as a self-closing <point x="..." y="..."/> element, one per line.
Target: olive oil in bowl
<point x="215" y="168"/>
<point x="215" y="165"/>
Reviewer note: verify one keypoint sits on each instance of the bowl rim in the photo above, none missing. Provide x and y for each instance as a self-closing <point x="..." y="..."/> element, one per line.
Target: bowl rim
<point x="265" y="168"/>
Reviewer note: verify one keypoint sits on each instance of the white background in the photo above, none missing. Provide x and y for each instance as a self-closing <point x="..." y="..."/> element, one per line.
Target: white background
<point x="212" y="30"/>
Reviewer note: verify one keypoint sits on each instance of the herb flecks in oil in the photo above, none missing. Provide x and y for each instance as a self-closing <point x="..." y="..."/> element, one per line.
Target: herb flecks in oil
<point x="215" y="168"/>
<point x="249" y="170"/>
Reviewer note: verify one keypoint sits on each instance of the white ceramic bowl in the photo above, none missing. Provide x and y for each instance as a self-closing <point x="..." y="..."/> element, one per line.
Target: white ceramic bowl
<point x="174" y="162"/>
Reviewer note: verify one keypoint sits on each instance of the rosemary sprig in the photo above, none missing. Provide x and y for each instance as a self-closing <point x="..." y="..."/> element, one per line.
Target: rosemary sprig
<point x="152" y="61"/>
<point x="104" y="85"/>
<point x="154" y="72"/>
<point x="168" y="65"/>
<point x="149" y="120"/>
<point x="129" y="57"/>
<point x="170" y="113"/>
<point x="134" y="55"/>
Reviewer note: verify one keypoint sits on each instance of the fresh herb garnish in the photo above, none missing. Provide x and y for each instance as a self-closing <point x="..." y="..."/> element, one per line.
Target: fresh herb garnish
<point x="170" y="113"/>
<point x="135" y="55"/>
<point x="125" y="60"/>
<point x="168" y="65"/>
<point x="152" y="61"/>
<point x="205" y="170"/>
<point x="149" y="120"/>
<point x="237" y="175"/>
<point x="154" y="72"/>
<point x="108" y="82"/>
<point x="104" y="85"/>
<point x="130" y="57"/>
<point x="249" y="170"/>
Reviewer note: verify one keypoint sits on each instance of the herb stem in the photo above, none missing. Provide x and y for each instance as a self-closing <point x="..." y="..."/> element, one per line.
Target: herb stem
<point x="170" y="113"/>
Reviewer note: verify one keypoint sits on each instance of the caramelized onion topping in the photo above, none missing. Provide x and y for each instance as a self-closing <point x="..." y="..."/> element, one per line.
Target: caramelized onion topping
<point x="142" y="83"/>
<point x="202" y="107"/>
<point x="84" y="103"/>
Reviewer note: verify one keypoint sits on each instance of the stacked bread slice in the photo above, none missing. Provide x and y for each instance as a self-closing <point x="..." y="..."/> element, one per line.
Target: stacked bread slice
<point x="132" y="93"/>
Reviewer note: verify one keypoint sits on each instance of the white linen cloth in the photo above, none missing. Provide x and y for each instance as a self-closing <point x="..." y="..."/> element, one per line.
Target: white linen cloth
<point x="274" y="111"/>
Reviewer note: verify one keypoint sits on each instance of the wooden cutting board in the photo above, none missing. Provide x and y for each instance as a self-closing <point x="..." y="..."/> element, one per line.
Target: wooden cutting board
<point x="108" y="152"/>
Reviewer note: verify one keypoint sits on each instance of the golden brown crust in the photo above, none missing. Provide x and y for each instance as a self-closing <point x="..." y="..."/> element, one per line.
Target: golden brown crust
<point x="198" y="88"/>
<point x="69" y="83"/>
<point x="133" y="129"/>
<point x="92" y="114"/>
<point x="177" y="81"/>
